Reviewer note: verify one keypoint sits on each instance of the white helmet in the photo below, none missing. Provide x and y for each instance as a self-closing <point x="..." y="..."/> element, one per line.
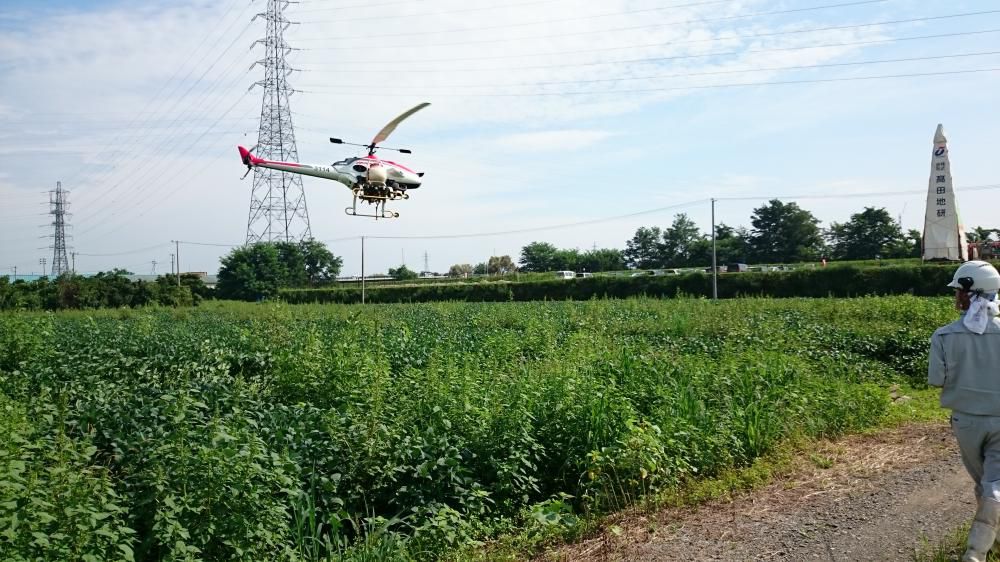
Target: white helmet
<point x="976" y="276"/>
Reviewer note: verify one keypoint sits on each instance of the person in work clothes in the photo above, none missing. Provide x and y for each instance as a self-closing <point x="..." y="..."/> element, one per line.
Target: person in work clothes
<point x="965" y="363"/>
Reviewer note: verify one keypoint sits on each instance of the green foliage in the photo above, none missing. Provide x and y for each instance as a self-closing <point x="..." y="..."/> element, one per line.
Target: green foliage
<point x="645" y="250"/>
<point x="869" y="234"/>
<point x="57" y="501"/>
<point x="539" y="256"/>
<point x="460" y="270"/>
<point x="104" y="290"/>
<point x="784" y="233"/>
<point x="542" y="256"/>
<point x="841" y="281"/>
<point x="601" y="259"/>
<point x="258" y="271"/>
<point x="402" y="272"/>
<point x="500" y="265"/>
<point x="680" y="240"/>
<point x="238" y="431"/>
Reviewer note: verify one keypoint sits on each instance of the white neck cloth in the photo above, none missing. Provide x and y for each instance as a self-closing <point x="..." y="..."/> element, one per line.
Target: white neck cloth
<point x="982" y="308"/>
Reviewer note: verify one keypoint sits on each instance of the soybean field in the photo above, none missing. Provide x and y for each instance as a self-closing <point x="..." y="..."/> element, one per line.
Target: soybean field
<point x="344" y="432"/>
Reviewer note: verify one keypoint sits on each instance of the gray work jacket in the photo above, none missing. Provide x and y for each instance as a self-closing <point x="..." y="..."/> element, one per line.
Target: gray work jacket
<point x="967" y="367"/>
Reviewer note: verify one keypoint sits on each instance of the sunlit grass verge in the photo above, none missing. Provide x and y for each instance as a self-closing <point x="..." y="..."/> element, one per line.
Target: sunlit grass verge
<point x="950" y="549"/>
<point x="797" y="453"/>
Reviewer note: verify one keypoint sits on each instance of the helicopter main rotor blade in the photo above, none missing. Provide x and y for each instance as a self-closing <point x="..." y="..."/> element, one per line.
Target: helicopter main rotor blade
<point x="388" y="129"/>
<point x="338" y="141"/>
<point x="403" y="150"/>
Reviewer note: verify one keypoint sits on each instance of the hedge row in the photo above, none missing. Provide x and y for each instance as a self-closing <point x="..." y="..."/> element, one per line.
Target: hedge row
<point x="926" y="280"/>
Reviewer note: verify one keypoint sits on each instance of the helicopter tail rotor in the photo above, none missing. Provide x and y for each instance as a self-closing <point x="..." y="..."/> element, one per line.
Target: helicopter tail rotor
<point x="245" y="156"/>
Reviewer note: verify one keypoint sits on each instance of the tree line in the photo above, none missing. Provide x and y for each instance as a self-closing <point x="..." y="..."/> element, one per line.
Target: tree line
<point x="112" y="289"/>
<point x="779" y="233"/>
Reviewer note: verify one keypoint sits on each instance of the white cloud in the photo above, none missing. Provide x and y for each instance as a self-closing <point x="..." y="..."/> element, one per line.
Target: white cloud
<point x="559" y="140"/>
<point x="137" y="110"/>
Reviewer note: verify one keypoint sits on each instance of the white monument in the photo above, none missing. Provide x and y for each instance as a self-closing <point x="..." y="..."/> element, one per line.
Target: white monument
<point x="944" y="235"/>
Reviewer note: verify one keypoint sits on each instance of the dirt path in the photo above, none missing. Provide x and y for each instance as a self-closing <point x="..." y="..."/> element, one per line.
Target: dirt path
<point x="879" y="498"/>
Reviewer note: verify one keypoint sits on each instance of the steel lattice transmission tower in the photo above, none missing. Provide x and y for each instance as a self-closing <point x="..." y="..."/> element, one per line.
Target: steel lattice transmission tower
<point x="278" y="201"/>
<point x="57" y="208"/>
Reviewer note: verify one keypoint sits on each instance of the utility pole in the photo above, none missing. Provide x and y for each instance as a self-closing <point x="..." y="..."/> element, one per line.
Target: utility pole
<point x="73" y="266"/>
<point x="715" y="269"/>
<point x="362" y="270"/>
<point x="154" y="267"/>
<point x="57" y="208"/>
<point x="15" y="273"/>
<point x="177" y="249"/>
<point x="43" y="262"/>
<point x="171" y="265"/>
<point x="277" y="201"/>
<point x="426" y="267"/>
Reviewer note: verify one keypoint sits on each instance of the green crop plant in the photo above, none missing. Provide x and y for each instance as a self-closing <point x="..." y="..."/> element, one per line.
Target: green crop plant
<point x="341" y="432"/>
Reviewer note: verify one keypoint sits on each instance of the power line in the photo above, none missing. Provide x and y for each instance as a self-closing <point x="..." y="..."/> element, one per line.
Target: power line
<point x="124" y="253"/>
<point x="496" y="7"/>
<point x="689" y="74"/>
<point x="352" y="6"/>
<point x="888" y="193"/>
<point x="154" y="201"/>
<point x="693" y="41"/>
<point x="177" y="118"/>
<point x="131" y="126"/>
<point x="668" y="208"/>
<point x="684" y="88"/>
<point x="382" y="17"/>
<point x="605" y="30"/>
<point x="160" y="163"/>
<point x="380" y="69"/>
<point x="850" y="195"/>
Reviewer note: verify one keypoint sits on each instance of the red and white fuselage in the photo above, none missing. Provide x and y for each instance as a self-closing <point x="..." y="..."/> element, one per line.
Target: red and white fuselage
<point x="352" y="172"/>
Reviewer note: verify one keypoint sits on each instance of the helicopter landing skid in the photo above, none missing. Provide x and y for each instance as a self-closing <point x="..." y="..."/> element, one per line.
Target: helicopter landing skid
<point x="380" y="211"/>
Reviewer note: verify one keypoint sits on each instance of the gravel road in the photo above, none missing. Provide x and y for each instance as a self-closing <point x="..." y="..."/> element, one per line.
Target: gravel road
<point x="864" y="498"/>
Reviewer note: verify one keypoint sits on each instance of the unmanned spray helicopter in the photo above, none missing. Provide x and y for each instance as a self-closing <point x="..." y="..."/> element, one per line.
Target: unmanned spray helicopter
<point x="370" y="178"/>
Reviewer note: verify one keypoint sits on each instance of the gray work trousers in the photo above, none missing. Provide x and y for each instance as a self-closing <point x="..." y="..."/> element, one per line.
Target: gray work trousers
<point x="979" y="440"/>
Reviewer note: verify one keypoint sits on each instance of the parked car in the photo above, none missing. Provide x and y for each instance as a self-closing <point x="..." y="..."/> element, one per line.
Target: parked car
<point x="737" y="268"/>
<point x="565" y="275"/>
<point x="584" y="274"/>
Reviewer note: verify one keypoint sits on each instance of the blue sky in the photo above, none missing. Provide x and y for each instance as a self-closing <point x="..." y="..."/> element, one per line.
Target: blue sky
<point x="544" y="112"/>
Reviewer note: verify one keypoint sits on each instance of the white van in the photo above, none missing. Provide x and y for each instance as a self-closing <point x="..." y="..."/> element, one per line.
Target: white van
<point x="565" y="275"/>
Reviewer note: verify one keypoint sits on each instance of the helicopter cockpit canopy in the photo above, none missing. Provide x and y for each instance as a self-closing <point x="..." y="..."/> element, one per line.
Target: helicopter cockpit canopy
<point x="351" y="162"/>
